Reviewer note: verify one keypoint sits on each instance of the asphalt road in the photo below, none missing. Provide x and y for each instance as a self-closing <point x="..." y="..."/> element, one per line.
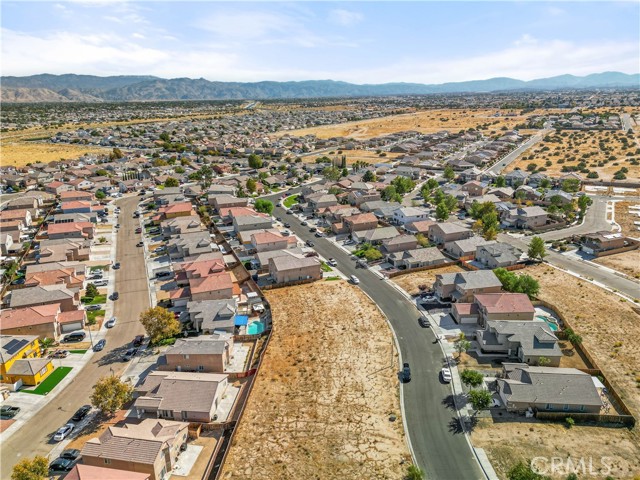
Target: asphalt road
<point x="439" y="446"/>
<point x="511" y="157"/>
<point x="132" y="284"/>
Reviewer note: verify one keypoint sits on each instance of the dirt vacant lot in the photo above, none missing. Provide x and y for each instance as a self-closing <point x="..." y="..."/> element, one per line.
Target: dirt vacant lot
<point x="369" y="156"/>
<point x="409" y="282"/>
<point x="425" y="122"/>
<point x="603" y="152"/>
<point x="509" y="442"/>
<point x="609" y="326"/>
<point x="626" y="218"/>
<point x="320" y="406"/>
<point x="626" y="262"/>
<point x="21" y="153"/>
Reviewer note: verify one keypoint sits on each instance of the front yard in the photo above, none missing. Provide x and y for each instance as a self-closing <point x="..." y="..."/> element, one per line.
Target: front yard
<point x="290" y="201"/>
<point x="50" y="382"/>
<point x="409" y="282"/>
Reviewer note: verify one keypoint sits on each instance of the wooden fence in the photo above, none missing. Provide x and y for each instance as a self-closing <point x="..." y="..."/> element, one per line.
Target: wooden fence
<point x="628" y="248"/>
<point x="288" y="284"/>
<point x="619" y="420"/>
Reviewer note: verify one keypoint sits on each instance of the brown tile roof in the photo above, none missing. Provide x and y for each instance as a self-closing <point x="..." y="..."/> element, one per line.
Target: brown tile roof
<point x="89" y="472"/>
<point x="505" y="302"/>
<point x="28" y="316"/>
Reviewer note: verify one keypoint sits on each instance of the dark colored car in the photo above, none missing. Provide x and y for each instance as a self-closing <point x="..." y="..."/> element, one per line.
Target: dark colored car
<point x="287" y="225"/>
<point x="116" y="265"/>
<point x="18" y="281"/>
<point x="138" y="340"/>
<point x="74" y="337"/>
<point x="61" y="465"/>
<point x="140" y="244"/>
<point x="278" y="219"/>
<point x="423" y="322"/>
<point x="138" y="230"/>
<point x="129" y="354"/>
<point x="304" y="224"/>
<point x="8" y="411"/>
<point x="82" y="412"/>
<point x="406" y="373"/>
<point x="163" y="274"/>
<point x="309" y="243"/>
<point x="313" y="229"/>
<point x="115" y="296"/>
<point x="71" y="454"/>
<point x="99" y="346"/>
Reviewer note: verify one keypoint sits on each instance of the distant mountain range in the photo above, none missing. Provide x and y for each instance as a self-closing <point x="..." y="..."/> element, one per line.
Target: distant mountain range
<point x="89" y="88"/>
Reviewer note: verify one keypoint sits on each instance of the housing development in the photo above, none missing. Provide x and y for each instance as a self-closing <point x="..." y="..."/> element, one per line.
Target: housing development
<point x="362" y="288"/>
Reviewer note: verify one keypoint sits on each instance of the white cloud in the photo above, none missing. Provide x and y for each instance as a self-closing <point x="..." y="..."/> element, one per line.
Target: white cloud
<point x="345" y="18"/>
<point x="247" y="25"/>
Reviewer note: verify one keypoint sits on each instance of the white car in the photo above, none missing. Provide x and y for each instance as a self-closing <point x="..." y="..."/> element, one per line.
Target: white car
<point x="355" y="279"/>
<point x="332" y="262"/>
<point x="101" y="283"/>
<point x="446" y="375"/>
<point x="63" y="432"/>
<point x="111" y="322"/>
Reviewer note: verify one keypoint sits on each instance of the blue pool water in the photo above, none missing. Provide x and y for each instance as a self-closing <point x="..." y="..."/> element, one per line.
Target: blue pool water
<point x="553" y="326"/>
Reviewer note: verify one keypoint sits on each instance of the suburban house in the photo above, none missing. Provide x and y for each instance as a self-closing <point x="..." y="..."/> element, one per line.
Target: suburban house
<point x="203" y="354"/>
<point x="180" y="396"/>
<point x="376" y="236"/>
<point x="515" y="178"/>
<point x="74" y="230"/>
<point x="23" y="215"/>
<point x="44" y="295"/>
<point x="45" y="321"/>
<point x="63" y="250"/>
<point x="6" y="243"/>
<point x="594" y="243"/>
<point x="20" y="360"/>
<point x="151" y="447"/>
<point x="209" y="316"/>
<point x="494" y="306"/>
<point x="174" y="210"/>
<point x="178" y="225"/>
<point x="73" y="196"/>
<point x="404" y="215"/>
<point x="56" y="187"/>
<point x="440" y="233"/>
<point x="66" y="276"/>
<point x="548" y="389"/>
<point x="76" y="206"/>
<point x="421" y="257"/>
<point x="268" y="240"/>
<point x="466" y="247"/>
<point x="90" y="472"/>
<point x="216" y="286"/>
<point x="257" y="221"/>
<point x="419" y="227"/>
<point x="498" y="255"/>
<point x="360" y="222"/>
<point x="189" y="244"/>
<point x="319" y="201"/>
<point x="223" y="200"/>
<point x="358" y="197"/>
<point x="290" y="268"/>
<point x="525" y="217"/>
<point x="475" y="188"/>
<point x="462" y="286"/>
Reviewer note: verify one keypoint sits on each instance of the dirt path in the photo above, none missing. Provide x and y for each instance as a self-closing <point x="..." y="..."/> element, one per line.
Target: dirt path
<point x="321" y="404"/>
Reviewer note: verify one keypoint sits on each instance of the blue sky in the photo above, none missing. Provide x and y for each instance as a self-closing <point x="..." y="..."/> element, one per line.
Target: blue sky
<point x="361" y="42"/>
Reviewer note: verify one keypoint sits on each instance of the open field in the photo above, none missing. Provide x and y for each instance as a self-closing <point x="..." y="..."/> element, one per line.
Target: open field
<point x="609" y="326"/>
<point x="430" y="121"/>
<point x="409" y="282"/>
<point x="604" y="152"/>
<point x="625" y="219"/>
<point x="507" y="443"/>
<point x="626" y="262"/>
<point x="21" y="153"/>
<point x="369" y="156"/>
<point x="321" y="403"/>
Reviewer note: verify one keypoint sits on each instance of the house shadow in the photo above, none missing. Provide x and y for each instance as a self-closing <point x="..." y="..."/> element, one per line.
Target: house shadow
<point x="113" y="356"/>
<point x="169" y="286"/>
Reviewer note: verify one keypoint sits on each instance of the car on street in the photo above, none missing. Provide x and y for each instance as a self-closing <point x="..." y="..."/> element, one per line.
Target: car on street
<point x="59" y="354"/>
<point x="111" y="322"/>
<point x="304" y="224"/>
<point x="138" y="230"/>
<point x="99" y="346"/>
<point x="140" y="244"/>
<point x="92" y="308"/>
<point x="287" y="225"/>
<point x="138" y="340"/>
<point x="61" y="465"/>
<point x="313" y="229"/>
<point x="116" y="265"/>
<point x="101" y="283"/>
<point x="278" y="219"/>
<point x="332" y="262"/>
<point x="62" y="432"/>
<point x="129" y="354"/>
<point x="423" y="322"/>
<point x="71" y="454"/>
<point x="319" y="234"/>
<point x="82" y="412"/>
<point x="406" y="373"/>
<point x="446" y="374"/>
<point x="355" y="280"/>
<point x="117" y="225"/>
<point x="289" y="212"/>
<point x="8" y="411"/>
<point x="309" y="243"/>
<point x="115" y="296"/>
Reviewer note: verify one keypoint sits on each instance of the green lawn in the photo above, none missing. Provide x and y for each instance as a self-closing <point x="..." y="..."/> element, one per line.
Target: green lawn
<point x="93" y="314"/>
<point x="81" y="352"/>
<point x="50" y="382"/>
<point x="289" y="201"/>
<point x="330" y="279"/>
<point x="97" y="300"/>
<point x="325" y="267"/>
<point x="99" y="267"/>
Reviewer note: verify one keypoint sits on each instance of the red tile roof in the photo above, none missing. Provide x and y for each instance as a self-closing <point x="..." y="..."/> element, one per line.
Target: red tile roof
<point x="505" y="302"/>
<point x="28" y="316"/>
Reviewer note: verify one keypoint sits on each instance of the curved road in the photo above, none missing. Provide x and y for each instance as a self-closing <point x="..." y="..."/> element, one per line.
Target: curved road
<point x="433" y="428"/>
<point x="132" y="284"/>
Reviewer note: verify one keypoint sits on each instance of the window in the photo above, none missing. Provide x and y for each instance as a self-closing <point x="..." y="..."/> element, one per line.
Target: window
<point x="565" y="407"/>
<point x="186" y="357"/>
<point x="201" y="368"/>
<point x="107" y="461"/>
<point x="548" y="407"/>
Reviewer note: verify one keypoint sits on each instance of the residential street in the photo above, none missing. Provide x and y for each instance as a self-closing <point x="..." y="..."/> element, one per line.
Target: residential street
<point x="438" y="445"/>
<point x="511" y="157"/>
<point x="132" y="284"/>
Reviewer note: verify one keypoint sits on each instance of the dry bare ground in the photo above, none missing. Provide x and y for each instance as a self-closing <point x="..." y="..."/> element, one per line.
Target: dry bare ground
<point x="21" y="153"/>
<point x="321" y="403"/>
<point x="369" y="156"/>
<point x="626" y="219"/>
<point x="430" y="121"/>
<point x="507" y="443"/>
<point x="610" y="328"/>
<point x="626" y="262"/>
<point x="573" y="147"/>
<point x="409" y="282"/>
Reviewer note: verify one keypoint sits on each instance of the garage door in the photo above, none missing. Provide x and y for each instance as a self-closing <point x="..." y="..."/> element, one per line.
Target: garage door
<point x="71" y="327"/>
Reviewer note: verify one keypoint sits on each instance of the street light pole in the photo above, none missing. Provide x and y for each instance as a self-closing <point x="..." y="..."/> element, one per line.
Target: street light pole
<point x="90" y="337"/>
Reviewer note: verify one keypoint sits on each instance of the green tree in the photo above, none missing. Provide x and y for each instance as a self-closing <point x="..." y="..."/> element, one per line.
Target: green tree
<point x="501" y="182"/>
<point x="263" y="206"/>
<point x="480" y="399"/>
<point x="422" y="240"/>
<point x="251" y="185"/>
<point x="179" y="170"/>
<point x="390" y="194"/>
<point x="403" y="184"/>
<point x="522" y="471"/>
<point x="255" y="161"/>
<point x="448" y="173"/>
<point x="517" y="283"/>
<point x="332" y="173"/>
<point x="451" y="202"/>
<point x="543" y="361"/>
<point x="461" y="345"/>
<point x="110" y="394"/>
<point x="583" y="203"/>
<point x="36" y="468"/>
<point x="414" y="473"/>
<point x="537" y="249"/>
<point x="159" y="323"/>
<point x="116" y="154"/>
<point x="204" y="176"/>
<point x="572" y="336"/>
<point x="442" y="212"/>
<point x="372" y="254"/>
<point x="545" y="183"/>
<point x="171" y="182"/>
<point x="91" y="291"/>
<point x="471" y="377"/>
<point x="369" y="176"/>
<point x="102" y="172"/>
<point x="164" y="136"/>
<point x="571" y="185"/>
<point x="438" y="196"/>
<point x="100" y="195"/>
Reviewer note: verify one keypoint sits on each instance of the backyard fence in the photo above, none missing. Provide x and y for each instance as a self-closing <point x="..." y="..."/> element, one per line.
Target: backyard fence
<point x="418" y="269"/>
<point x="619" y="420"/>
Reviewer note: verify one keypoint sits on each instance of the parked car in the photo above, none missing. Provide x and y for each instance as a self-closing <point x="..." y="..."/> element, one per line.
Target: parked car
<point x="304" y="223"/>
<point x="115" y="296"/>
<point x="309" y="243"/>
<point x="111" y="322"/>
<point x="101" y="283"/>
<point x="117" y="225"/>
<point x="406" y="373"/>
<point x="355" y="280"/>
<point x="74" y="337"/>
<point x="140" y="244"/>
<point x="129" y="354"/>
<point x="287" y="225"/>
<point x="99" y="346"/>
<point x="91" y="308"/>
<point x="8" y="411"/>
<point x="446" y="374"/>
<point x="319" y="234"/>
<point x="332" y="262"/>
<point x="289" y="212"/>
<point x="423" y="322"/>
<point x="72" y="453"/>
<point x="82" y="412"/>
<point x="59" y="354"/>
<point x="138" y="340"/>
<point x="312" y="229"/>
<point x="138" y="230"/>
<point x="163" y="274"/>
<point x="62" y="432"/>
<point x="61" y="465"/>
<point x="116" y="265"/>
